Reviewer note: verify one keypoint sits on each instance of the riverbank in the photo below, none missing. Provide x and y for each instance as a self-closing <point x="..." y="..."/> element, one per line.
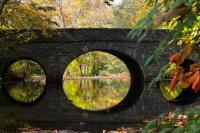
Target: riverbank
<point x="96" y="78"/>
<point x="122" y="76"/>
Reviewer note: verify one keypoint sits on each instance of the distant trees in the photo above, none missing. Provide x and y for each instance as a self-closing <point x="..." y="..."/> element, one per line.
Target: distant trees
<point x="23" y="69"/>
<point x="87" y="13"/>
<point x="96" y="63"/>
<point x="71" y="13"/>
<point x="129" y="12"/>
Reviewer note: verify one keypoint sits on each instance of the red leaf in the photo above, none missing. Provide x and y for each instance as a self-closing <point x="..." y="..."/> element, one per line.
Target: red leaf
<point x="175" y="57"/>
<point x="174" y="82"/>
<point x="195" y="67"/>
<point x="176" y="78"/>
<point x="196" y="82"/>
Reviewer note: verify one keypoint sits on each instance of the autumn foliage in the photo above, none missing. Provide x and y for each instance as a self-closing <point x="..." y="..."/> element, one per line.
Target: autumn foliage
<point x="186" y="79"/>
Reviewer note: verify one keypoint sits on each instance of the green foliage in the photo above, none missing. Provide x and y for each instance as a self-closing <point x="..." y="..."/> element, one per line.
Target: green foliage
<point x="25" y="81"/>
<point x="96" y="63"/>
<point x="144" y="25"/>
<point x="25" y="16"/>
<point x="96" y="85"/>
<point x="129" y="12"/>
<point x="22" y="15"/>
<point x="182" y="29"/>
<point x="24" y="69"/>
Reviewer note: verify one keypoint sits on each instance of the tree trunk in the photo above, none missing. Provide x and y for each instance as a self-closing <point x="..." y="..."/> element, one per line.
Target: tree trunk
<point x="62" y="14"/>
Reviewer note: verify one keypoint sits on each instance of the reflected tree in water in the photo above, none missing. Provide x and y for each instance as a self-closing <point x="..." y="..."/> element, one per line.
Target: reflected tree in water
<point x="167" y="93"/>
<point x="25" y="92"/>
<point x="96" y="94"/>
<point x="24" y="81"/>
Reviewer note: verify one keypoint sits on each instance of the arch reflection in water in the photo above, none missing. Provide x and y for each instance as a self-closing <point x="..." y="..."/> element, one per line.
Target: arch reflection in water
<point x="166" y="91"/>
<point x="96" y="81"/>
<point x="24" y="81"/>
<point x="178" y="95"/>
<point x="96" y="94"/>
<point x="25" y="92"/>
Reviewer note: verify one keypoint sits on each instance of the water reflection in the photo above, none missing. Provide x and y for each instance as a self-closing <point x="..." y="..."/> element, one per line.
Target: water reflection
<point x="178" y="95"/>
<point x="166" y="91"/>
<point x="25" y="92"/>
<point x="24" y="81"/>
<point x="96" y="94"/>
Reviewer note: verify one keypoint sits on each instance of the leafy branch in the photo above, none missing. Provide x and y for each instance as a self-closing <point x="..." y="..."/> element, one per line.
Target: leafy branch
<point x="180" y="17"/>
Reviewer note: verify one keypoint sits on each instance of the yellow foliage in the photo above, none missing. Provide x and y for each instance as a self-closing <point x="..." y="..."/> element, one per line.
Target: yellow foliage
<point x="87" y="14"/>
<point x="27" y="16"/>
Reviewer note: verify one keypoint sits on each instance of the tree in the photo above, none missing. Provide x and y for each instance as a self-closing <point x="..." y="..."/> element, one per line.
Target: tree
<point x="129" y="12"/>
<point x="182" y="19"/>
<point x="60" y="5"/>
<point x="87" y="14"/>
<point x="96" y="63"/>
<point x="29" y="14"/>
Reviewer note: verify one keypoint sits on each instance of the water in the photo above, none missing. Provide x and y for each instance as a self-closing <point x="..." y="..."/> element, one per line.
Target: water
<point x="97" y="94"/>
<point x="93" y="95"/>
<point x="25" y="92"/>
<point x="166" y="91"/>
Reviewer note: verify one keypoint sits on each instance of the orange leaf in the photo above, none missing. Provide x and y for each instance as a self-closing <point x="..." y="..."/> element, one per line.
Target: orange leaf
<point x="175" y="57"/>
<point x="174" y="82"/>
<point x="187" y="80"/>
<point x="181" y="56"/>
<point x="176" y="78"/>
<point x="188" y="74"/>
<point x="195" y="67"/>
<point x="185" y="84"/>
<point x="193" y="77"/>
<point x="196" y="83"/>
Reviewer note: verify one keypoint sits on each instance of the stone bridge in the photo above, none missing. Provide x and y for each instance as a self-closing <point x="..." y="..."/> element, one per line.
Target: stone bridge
<point x="54" y="110"/>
